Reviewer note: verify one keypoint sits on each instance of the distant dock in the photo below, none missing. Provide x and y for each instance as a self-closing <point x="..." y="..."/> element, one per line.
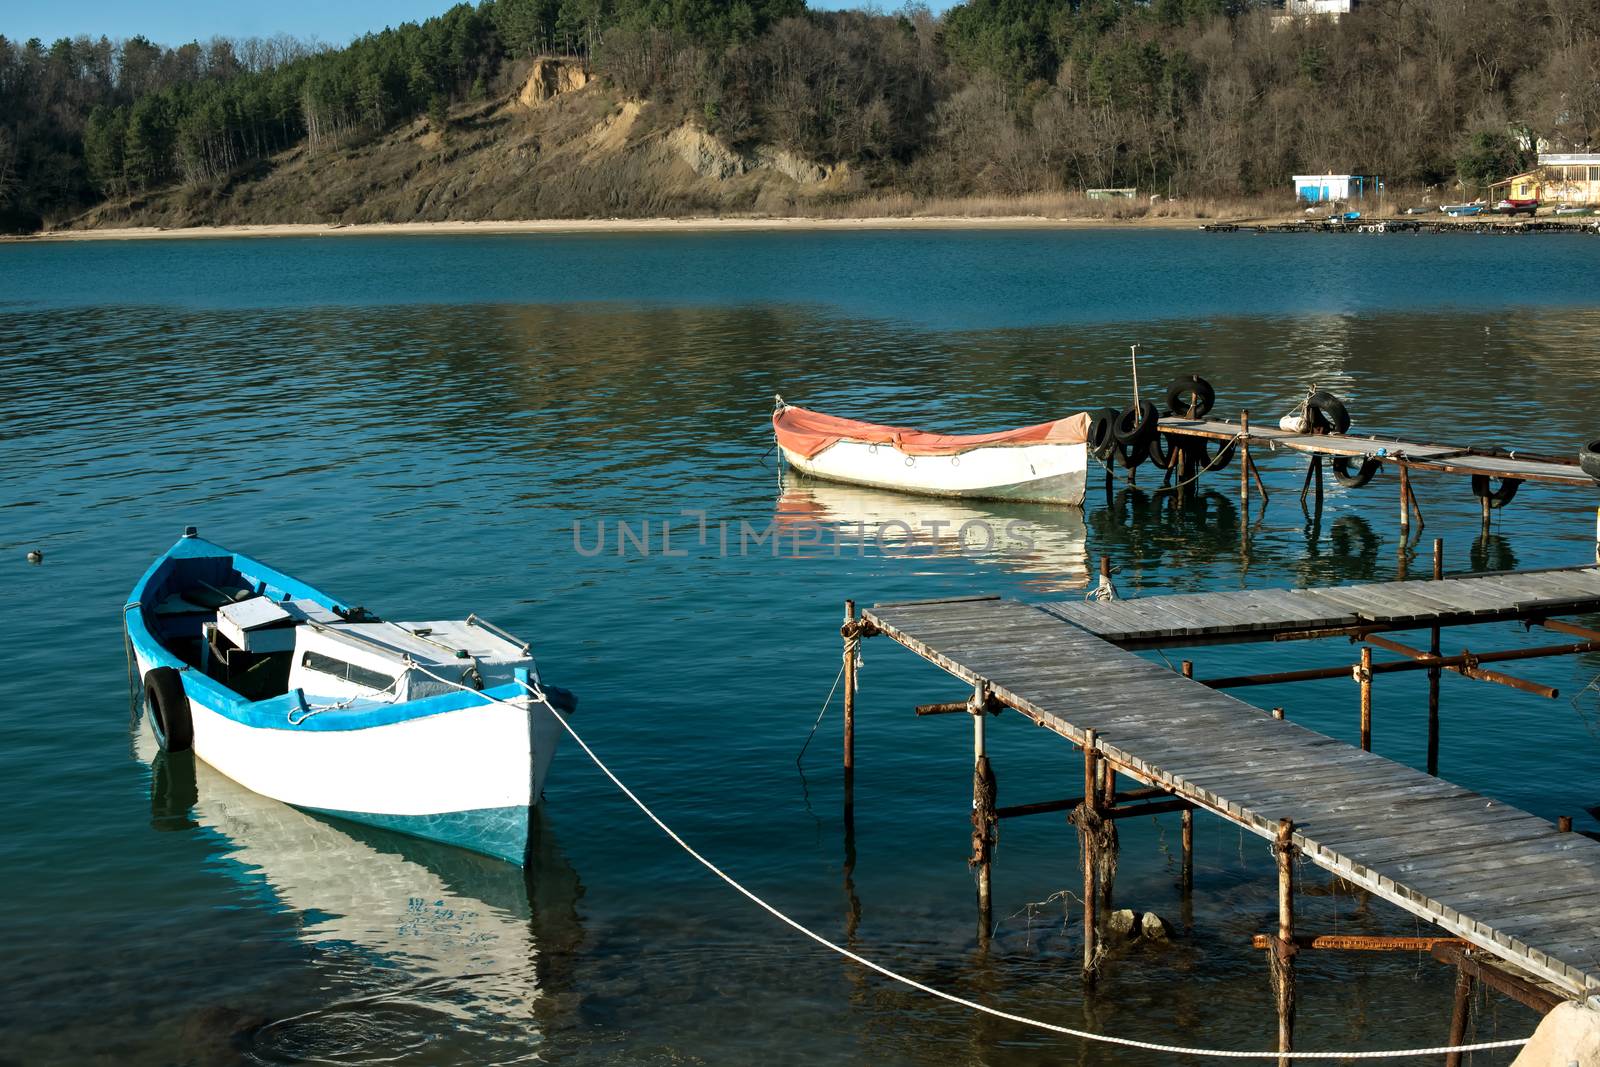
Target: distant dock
<point x="1493" y="224"/>
<point x="1515" y="898"/>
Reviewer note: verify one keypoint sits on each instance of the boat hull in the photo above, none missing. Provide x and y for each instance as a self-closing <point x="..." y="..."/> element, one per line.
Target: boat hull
<point x="466" y="777"/>
<point x="1039" y="473"/>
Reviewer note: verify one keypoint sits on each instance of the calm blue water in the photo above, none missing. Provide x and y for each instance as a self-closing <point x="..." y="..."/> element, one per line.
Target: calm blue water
<point x="418" y="425"/>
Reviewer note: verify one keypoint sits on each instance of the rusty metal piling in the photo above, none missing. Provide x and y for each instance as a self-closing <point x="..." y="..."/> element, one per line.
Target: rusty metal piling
<point x="1089" y="817"/>
<point x="1283" y="948"/>
<point x="851" y="643"/>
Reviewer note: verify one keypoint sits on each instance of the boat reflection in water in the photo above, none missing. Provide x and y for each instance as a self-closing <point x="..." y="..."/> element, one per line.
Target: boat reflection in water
<point x="409" y="921"/>
<point x="1045" y="544"/>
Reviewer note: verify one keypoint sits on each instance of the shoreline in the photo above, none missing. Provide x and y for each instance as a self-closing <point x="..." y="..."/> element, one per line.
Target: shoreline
<point x="707" y="224"/>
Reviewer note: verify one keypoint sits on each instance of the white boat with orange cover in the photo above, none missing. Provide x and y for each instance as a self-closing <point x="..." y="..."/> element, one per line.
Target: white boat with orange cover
<point x="1046" y="463"/>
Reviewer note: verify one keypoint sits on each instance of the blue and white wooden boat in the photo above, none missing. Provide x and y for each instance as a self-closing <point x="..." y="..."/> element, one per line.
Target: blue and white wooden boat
<point x="310" y="701"/>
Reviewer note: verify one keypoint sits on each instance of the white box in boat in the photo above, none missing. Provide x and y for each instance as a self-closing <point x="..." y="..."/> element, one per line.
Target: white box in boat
<point x="261" y="624"/>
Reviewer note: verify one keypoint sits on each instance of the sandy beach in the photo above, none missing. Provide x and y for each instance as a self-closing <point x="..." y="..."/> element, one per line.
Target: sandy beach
<point x="558" y="226"/>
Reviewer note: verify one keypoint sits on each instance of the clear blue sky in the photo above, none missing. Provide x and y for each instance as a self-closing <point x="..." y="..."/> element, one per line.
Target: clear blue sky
<point x="173" y="22"/>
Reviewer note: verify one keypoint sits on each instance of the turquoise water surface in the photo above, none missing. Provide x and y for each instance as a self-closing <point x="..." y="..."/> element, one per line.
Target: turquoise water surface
<point x="432" y="426"/>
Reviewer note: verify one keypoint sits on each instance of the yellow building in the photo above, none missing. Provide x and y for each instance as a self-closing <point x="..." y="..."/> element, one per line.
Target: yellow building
<point x="1525" y="186"/>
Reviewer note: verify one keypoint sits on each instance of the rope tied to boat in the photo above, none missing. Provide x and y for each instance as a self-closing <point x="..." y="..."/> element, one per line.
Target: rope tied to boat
<point x="318" y="709"/>
<point x="537" y="694"/>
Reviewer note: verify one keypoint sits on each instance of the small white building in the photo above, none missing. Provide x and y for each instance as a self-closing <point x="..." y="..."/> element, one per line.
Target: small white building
<point x="1321" y="188"/>
<point x="1289" y="12"/>
<point x="1573" y="177"/>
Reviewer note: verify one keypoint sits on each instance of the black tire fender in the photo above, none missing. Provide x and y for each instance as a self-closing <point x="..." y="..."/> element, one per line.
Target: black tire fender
<point x="1102" y="433"/>
<point x="1219" y="459"/>
<point x="1128" y="457"/>
<point x="169" y="709"/>
<point x="1161" y="450"/>
<point x="1363" y="474"/>
<point x="1136" y="425"/>
<point x="1501" y="495"/>
<point x="1589" y="459"/>
<point x="1191" y="385"/>
<point x="1329" y="412"/>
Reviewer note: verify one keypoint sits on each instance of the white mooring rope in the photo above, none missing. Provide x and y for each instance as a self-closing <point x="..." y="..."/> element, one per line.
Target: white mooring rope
<point x="1125" y="1042"/>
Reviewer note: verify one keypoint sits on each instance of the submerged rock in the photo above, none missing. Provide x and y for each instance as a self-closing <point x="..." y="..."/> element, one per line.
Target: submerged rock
<point x="1122" y="923"/>
<point x="1153" y="927"/>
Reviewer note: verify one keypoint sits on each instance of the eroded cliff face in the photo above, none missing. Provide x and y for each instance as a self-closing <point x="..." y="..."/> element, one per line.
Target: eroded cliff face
<point x="550" y="78"/>
<point x="559" y="144"/>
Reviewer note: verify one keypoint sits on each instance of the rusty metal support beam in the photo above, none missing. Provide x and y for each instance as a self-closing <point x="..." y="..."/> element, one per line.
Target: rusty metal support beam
<point x="1159" y="807"/>
<point x="1453" y="663"/>
<point x="1360" y="942"/>
<point x="1045" y="807"/>
<point x="1465" y="665"/>
<point x="1568" y="628"/>
<point x="1481" y="966"/>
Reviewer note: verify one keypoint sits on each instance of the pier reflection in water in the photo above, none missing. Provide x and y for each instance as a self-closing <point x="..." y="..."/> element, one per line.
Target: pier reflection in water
<point x="416" y="928"/>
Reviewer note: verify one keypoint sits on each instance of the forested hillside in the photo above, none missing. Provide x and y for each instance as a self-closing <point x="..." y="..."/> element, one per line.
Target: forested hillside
<point x="996" y="97"/>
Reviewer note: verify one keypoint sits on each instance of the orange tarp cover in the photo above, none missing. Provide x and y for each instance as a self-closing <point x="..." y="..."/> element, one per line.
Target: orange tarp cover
<point x="809" y="432"/>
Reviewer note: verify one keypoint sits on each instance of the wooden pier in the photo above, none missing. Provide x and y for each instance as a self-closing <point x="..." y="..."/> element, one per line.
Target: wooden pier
<point x="1494" y="474"/>
<point x="1522" y="894"/>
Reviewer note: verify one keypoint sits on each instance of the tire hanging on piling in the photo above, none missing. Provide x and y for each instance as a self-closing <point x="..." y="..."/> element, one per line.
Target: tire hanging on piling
<point x="1363" y="474"/>
<point x="1161" y="450"/>
<point x="1102" y="433"/>
<point x="1498" y="497"/>
<point x="169" y="711"/>
<point x="1589" y="459"/>
<point x="1136" y="425"/>
<point x="1327" y="413"/>
<point x="1203" y="397"/>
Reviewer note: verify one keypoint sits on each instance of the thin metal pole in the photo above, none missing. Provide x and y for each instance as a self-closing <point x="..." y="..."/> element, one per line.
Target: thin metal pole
<point x="1134" y="350"/>
<point x="1262" y="488"/>
<point x="1366" y="698"/>
<point x="850" y="714"/>
<point x="1244" y="458"/>
<point x="1433" y="674"/>
<point x="1405" y="499"/>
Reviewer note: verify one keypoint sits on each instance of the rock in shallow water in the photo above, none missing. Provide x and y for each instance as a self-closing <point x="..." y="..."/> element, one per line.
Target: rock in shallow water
<point x="1122" y="923"/>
